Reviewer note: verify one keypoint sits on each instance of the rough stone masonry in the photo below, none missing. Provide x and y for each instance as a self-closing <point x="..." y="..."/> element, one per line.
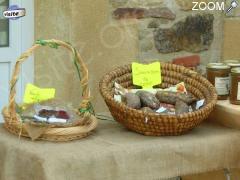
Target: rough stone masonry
<point x="169" y="29"/>
<point x="194" y="34"/>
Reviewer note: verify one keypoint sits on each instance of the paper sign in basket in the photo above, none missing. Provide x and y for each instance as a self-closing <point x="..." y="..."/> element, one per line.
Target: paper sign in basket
<point x="146" y="75"/>
<point x="34" y="94"/>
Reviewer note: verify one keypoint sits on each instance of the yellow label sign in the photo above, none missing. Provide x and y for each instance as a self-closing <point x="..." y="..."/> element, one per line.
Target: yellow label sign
<point x="146" y="75"/>
<point x="34" y="94"/>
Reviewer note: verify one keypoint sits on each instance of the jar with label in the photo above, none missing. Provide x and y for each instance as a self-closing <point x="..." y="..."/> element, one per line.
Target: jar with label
<point x="235" y="87"/>
<point x="218" y="75"/>
<point x="232" y="63"/>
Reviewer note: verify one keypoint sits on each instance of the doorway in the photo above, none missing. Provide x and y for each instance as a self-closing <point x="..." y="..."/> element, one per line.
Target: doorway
<point x="16" y="36"/>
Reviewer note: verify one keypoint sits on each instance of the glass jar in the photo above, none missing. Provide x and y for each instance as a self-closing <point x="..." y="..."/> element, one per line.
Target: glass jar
<point x="235" y="87"/>
<point x="232" y="63"/>
<point x="218" y="75"/>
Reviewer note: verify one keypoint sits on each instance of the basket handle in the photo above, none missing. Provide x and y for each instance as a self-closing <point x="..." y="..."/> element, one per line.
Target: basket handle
<point x="53" y="43"/>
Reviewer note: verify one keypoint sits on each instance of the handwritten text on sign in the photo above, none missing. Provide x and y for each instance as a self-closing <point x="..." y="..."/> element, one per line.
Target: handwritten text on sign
<point x="146" y="75"/>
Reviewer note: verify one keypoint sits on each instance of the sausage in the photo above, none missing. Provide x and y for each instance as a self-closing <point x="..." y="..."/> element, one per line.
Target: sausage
<point x="172" y="97"/>
<point x="147" y="110"/>
<point x="132" y="100"/>
<point x="148" y="99"/>
<point x="181" y="107"/>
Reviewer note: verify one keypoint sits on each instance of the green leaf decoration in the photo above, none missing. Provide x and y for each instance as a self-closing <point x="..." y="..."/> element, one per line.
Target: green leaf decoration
<point x="45" y="43"/>
<point x="89" y="109"/>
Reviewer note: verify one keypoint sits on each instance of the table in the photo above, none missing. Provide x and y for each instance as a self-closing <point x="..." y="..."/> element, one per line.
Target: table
<point x="113" y="152"/>
<point x="226" y="114"/>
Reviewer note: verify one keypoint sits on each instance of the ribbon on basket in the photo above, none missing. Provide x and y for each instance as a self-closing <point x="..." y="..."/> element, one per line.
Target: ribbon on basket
<point x="47" y="43"/>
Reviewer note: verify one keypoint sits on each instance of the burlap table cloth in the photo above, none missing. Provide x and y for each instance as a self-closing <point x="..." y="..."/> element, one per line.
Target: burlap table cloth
<point x="114" y="153"/>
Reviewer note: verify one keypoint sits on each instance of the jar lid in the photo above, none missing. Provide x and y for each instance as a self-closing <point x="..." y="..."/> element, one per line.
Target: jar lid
<point x="234" y="64"/>
<point x="235" y="70"/>
<point x="218" y="66"/>
<point x="231" y="61"/>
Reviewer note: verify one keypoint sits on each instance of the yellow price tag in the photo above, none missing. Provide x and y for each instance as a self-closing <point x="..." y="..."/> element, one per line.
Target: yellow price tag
<point x="146" y="75"/>
<point x="34" y="94"/>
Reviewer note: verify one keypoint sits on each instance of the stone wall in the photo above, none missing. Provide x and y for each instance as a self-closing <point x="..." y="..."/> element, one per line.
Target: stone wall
<point x="232" y="35"/>
<point x="169" y="29"/>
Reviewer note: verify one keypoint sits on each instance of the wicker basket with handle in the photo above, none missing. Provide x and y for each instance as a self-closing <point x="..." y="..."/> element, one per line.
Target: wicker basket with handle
<point x="87" y="122"/>
<point x="151" y="123"/>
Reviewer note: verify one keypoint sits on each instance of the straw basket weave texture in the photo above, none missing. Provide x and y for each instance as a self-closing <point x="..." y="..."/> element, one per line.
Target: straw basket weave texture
<point x="153" y="124"/>
<point x="86" y="122"/>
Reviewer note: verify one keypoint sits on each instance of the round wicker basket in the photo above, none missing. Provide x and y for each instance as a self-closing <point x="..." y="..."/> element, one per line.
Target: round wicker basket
<point x="86" y="122"/>
<point x="159" y="125"/>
